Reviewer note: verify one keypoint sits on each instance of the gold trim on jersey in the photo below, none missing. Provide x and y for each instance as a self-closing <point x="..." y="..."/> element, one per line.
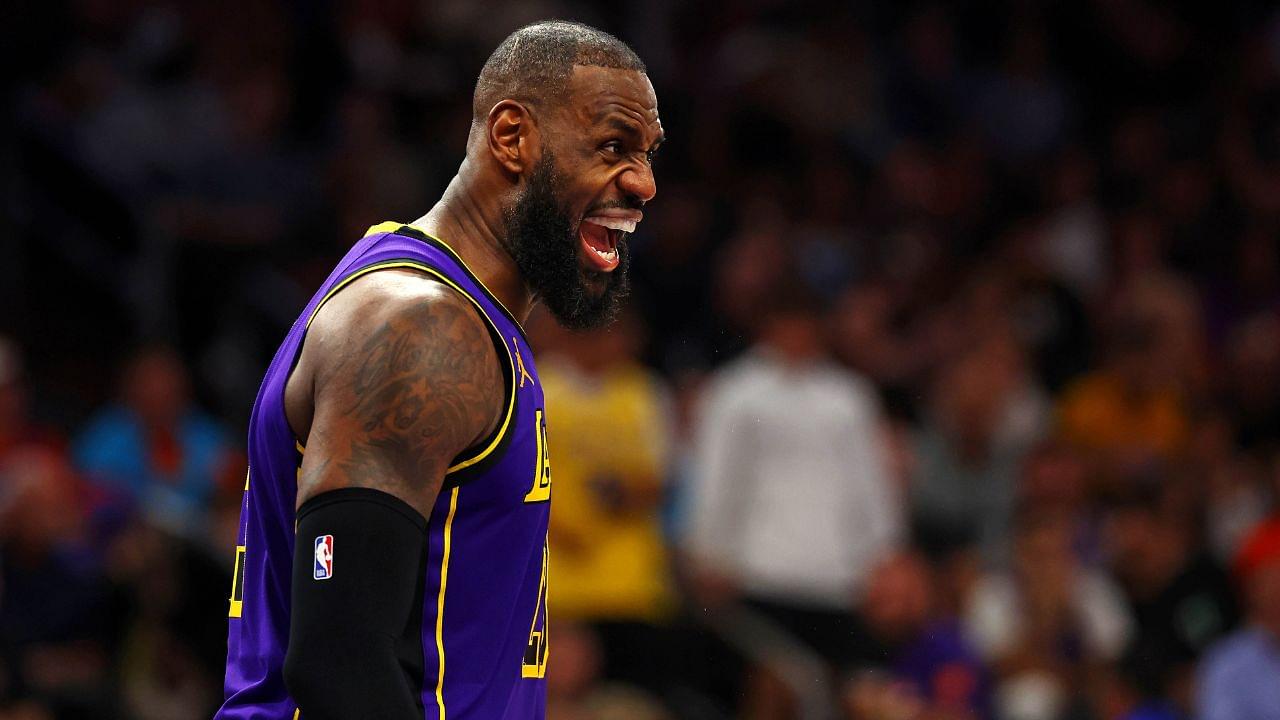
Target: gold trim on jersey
<point x="511" y="365"/>
<point x="392" y="226"/>
<point x="444" y="581"/>
<point x="389" y="226"/>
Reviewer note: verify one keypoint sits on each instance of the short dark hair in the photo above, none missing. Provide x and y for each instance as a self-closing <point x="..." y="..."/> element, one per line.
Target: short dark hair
<point x="534" y="63"/>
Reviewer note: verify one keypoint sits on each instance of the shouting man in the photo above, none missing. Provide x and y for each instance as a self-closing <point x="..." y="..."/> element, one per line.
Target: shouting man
<point x="392" y="557"/>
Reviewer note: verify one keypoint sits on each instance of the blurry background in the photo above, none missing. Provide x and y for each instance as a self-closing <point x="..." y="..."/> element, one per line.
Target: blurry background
<point x="949" y="388"/>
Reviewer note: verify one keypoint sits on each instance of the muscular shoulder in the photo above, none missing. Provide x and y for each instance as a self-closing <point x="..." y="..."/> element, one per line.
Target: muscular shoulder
<point x="398" y="319"/>
<point x="404" y="377"/>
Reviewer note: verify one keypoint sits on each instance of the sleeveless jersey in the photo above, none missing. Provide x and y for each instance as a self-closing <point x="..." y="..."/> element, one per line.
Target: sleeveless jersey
<point x="483" y="615"/>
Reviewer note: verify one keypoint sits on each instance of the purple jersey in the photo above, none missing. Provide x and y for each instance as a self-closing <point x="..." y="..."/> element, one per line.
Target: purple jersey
<point x="484" y="609"/>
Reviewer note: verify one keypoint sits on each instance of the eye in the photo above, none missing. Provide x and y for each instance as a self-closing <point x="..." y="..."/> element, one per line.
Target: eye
<point x="613" y="147"/>
<point x="650" y="155"/>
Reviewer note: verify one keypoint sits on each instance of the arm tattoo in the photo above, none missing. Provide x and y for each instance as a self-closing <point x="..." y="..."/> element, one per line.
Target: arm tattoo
<point x="419" y="391"/>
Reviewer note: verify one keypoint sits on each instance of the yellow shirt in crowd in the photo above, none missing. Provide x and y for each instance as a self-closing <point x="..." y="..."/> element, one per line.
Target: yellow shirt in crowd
<point x="1098" y="415"/>
<point x="607" y="438"/>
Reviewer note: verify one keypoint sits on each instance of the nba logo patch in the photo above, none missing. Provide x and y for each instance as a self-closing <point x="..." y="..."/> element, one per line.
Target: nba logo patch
<point x="324" y="558"/>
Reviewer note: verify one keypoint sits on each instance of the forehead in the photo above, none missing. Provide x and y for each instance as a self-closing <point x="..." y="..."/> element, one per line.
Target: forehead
<point x="595" y="93"/>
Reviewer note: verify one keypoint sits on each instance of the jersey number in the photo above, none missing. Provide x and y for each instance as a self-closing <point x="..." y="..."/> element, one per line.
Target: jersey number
<point x="237" y="576"/>
<point x="237" y="585"/>
<point x="535" y="653"/>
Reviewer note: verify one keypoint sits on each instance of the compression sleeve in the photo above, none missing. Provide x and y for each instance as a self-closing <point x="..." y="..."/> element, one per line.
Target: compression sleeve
<point x="358" y="570"/>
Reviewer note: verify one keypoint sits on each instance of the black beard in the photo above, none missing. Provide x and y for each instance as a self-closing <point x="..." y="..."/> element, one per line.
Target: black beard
<point x="543" y="239"/>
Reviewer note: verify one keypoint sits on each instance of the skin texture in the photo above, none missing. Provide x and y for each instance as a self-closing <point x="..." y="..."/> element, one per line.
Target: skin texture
<point x="545" y="229"/>
<point x="609" y="164"/>
<point x="405" y="377"/>
<point x="599" y="166"/>
<point x="398" y="375"/>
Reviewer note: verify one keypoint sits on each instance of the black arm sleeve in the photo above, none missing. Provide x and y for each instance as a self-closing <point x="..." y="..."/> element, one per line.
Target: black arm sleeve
<point x="355" y="641"/>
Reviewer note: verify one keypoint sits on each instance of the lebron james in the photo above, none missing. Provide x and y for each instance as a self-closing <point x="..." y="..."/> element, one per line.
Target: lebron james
<point x="392" y="558"/>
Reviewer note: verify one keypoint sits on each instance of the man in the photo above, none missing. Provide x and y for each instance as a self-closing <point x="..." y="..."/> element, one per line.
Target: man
<point x="609" y="564"/>
<point x="791" y="501"/>
<point x="1181" y="600"/>
<point x="411" y="581"/>
<point x="925" y="661"/>
<point x="155" y="447"/>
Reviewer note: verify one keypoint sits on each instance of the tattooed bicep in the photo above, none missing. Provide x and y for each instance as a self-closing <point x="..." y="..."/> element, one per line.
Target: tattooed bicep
<point x="416" y="382"/>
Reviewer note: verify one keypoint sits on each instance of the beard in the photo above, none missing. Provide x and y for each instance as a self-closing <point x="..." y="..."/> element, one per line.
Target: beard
<point x="542" y="238"/>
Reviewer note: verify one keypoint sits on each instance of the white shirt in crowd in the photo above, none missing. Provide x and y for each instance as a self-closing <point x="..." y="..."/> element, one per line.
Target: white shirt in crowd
<point x="791" y="493"/>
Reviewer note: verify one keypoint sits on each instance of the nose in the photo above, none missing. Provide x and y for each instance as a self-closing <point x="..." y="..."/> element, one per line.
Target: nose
<point x="638" y="183"/>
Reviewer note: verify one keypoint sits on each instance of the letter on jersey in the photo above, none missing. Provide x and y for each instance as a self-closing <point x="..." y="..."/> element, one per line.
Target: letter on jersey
<point x="541" y="490"/>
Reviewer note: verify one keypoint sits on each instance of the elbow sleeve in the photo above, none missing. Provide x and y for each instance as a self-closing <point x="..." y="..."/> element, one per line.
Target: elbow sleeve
<point x="355" y="640"/>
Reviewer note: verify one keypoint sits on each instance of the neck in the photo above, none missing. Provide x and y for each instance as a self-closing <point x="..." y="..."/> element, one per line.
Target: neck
<point x="469" y="218"/>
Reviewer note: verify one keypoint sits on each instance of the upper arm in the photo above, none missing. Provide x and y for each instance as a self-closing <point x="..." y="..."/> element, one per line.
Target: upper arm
<point x="405" y="377"/>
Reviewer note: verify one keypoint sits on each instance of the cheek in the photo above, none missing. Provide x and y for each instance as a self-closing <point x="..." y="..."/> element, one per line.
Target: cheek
<point x="581" y="192"/>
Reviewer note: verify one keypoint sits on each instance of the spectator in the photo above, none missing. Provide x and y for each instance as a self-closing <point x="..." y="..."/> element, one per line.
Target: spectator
<point x="1049" y="625"/>
<point x="1133" y="410"/>
<point x="155" y="447"/>
<point x="792" y="501"/>
<point x="1240" y="677"/>
<point x="55" y="624"/>
<point x="54" y="628"/>
<point x="929" y="663"/>
<point x="863" y="335"/>
<point x="984" y="416"/>
<point x="576" y="689"/>
<point x="1073" y="243"/>
<point x="1234" y="493"/>
<point x="1054" y="479"/>
<point x="1135" y="691"/>
<point x="169" y="654"/>
<point x="1180" y="598"/>
<point x="608" y="429"/>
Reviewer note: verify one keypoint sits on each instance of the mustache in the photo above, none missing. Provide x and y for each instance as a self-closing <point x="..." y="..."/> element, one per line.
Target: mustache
<point x="627" y="204"/>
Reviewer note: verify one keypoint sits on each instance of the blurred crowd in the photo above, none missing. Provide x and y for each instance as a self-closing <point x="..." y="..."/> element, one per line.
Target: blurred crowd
<point x="949" y="387"/>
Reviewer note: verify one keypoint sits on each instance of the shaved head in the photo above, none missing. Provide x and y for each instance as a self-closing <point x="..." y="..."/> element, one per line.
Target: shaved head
<point x="534" y="63"/>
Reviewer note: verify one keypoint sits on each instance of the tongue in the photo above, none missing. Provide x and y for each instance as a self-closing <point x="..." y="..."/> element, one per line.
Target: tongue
<point x="598" y="252"/>
<point x="596" y="236"/>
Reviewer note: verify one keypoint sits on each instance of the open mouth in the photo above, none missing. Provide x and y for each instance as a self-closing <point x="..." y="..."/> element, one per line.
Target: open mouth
<point x="600" y="235"/>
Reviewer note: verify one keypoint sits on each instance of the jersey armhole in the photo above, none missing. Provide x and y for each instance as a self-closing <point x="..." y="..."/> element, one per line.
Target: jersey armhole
<point x="482" y="453"/>
<point x="475" y="459"/>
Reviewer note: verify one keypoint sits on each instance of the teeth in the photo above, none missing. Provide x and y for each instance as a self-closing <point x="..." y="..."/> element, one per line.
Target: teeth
<point x="613" y="223"/>
<point x="609" y="254"/>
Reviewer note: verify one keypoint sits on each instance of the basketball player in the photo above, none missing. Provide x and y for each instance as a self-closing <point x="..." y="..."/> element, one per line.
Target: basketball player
<point x="392" y="550"/>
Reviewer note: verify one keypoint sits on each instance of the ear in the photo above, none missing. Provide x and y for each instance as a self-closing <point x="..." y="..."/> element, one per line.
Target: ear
<point x="513" y="136"/>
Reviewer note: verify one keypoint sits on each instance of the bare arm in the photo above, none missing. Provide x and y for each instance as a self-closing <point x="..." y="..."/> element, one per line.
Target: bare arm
<point x="398" y="376"/>
<point x="403" y="377"/>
